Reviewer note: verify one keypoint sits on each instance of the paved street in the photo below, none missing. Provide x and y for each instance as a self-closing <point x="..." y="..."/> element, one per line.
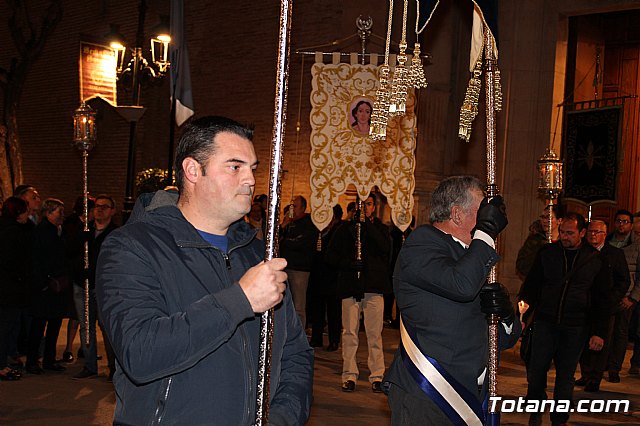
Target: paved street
<point x="55" y="399"/>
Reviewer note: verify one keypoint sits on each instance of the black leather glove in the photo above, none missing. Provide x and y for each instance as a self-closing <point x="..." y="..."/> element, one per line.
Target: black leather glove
<point x="86" y="236"/>
<point x="491" y="217"/>
<point x="494" y="299"/>
<point x="357" y="265"/>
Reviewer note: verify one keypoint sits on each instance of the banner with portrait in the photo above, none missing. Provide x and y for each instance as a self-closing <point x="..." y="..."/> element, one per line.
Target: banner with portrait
<point x="342" y="153"/>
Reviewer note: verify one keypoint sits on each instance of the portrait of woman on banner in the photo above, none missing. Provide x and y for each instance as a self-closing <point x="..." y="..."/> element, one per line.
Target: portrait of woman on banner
<point x="360" y="119"/>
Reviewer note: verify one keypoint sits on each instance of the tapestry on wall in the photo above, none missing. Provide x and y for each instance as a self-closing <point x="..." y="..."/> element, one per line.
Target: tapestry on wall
<point x="591" y="146"/>
<point x="342" y="153"/>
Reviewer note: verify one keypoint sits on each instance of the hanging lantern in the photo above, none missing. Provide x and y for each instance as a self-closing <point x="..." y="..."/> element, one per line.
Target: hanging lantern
<point x="84" y="127"/>
<point x="550" y="175"/>
<point x="160" y="44"/>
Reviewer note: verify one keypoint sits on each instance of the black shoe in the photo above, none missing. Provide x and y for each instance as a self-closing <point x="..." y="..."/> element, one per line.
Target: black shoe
<point x="67" y="357"/>
<point x="581" y="381"/>
<point x="376" y="386"/>
<point x="54" y="367"/>
<point x="592" y="387"/>
<point x="315" y="343"/>
<point x="10" y="376"/>
<point x="34" y="369"/>
<point x="614" y="377"/>
<point x="349" y="386"/>
<point x="84" y="374"/>
<point x="332" y="347"/>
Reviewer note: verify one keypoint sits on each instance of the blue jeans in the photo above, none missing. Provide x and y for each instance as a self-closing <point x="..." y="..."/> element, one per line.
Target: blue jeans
<point x="90" y="352"/>
<point x="562" y="345"/>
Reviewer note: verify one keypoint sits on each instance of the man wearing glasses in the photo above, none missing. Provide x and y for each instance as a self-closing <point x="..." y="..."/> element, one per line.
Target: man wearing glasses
<point x="593" y="363"/>
<point x="101" y="226"/>
<point x="623" y="223"/>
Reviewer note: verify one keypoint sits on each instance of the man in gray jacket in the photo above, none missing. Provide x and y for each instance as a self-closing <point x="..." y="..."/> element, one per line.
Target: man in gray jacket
<point x="180" y="287"/>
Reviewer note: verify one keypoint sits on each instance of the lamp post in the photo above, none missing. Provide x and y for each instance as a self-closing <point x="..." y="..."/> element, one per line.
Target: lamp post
<point x="550" y="183"/>
<point x="138" y="67"/>
<point x="84" y="138"/>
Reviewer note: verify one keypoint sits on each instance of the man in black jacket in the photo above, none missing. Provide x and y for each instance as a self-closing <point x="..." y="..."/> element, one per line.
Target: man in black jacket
<point x="361" y="285"/>
<point x="298" y="239"/>
<point x="438" y="374"/>
<point x="593" y="363"/>
<point x="179" y="290"/>
<point x="102" y="225"/>
<point x="568" y="288"/>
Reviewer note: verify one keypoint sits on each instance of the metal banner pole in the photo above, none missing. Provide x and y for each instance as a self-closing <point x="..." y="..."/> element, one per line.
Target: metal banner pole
<point x="492" y="191"/>
<point x="280" y="113"/>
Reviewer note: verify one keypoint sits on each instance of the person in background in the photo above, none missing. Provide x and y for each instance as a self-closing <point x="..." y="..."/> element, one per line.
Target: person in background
<point x="73" y="228"/>
<point x="298" y="239"/>
<point x="32" y="197"/>
<point x="569" y="288"/>
<point x="594" y="363"/>
<point x="52" y="282"/>
<point x="323" y="285"/>
<point x="536" y="239"/>
<point x="15" y="267"/>
<point x="361" y="286"/>
<point x="99" y="228"/>
<point x="255" y="219"/>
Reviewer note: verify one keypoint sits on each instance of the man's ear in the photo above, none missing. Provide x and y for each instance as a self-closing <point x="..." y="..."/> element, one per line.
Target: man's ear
<point x="192" y="170"/>
<point x="456" y="215"/>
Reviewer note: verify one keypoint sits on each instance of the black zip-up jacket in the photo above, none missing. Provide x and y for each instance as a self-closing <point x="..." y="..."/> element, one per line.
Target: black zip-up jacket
<point x="376" y="249"/>
<point x="184" y="334"/>
<point x="572" y="296"/>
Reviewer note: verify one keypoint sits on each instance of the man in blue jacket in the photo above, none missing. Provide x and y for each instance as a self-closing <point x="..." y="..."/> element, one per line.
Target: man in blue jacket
<point x="180" y="287"/>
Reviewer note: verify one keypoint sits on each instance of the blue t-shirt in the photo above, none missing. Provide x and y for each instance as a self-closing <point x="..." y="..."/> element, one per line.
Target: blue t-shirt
<point x="218" y="241"/>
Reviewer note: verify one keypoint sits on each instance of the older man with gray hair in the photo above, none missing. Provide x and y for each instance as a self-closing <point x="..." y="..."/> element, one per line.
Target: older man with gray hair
<point x="438" y="375"/>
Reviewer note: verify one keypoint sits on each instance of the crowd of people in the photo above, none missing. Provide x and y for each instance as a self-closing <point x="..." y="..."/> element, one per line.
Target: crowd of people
<point x="42" y="281"/>
<point x="180" y="289"/>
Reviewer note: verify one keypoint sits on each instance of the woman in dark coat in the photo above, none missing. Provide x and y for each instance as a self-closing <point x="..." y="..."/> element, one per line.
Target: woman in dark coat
<point x="15" y="264"/>
<point x="51" y="284"/>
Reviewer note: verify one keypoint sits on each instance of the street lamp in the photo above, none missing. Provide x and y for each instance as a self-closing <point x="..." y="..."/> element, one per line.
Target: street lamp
<point x="550" y="183"/>
<point x="138" y="67"/>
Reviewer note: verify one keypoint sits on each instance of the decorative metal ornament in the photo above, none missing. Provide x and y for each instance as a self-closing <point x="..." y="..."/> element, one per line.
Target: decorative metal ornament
<point x="380" y="113"/>
<point x="417" y="76"/>
<point x="279" y="120"/>
<point x="469" y="108"/>
<point x="84" y="138"/>
<point x="398" y="95"/>
<point x="364" y="26"/>
<point x="550" y="175"/>
<point x="550" y="185"/>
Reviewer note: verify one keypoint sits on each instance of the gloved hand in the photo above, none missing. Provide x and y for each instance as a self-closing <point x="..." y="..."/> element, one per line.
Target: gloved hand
<point x="491" y="217"/>
<point x="357" y="265"/>
<point x="86" y="236"/>
<point x="494" y="299"/>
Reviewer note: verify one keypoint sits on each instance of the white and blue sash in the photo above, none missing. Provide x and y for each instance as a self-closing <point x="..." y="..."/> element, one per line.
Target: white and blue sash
<point x="455" y="401"/>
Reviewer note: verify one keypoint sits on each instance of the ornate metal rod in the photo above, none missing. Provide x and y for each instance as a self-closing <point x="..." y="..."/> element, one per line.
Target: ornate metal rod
<point x="266" y="319"/>
<point x="85" y="193"/>
<point x="492" y="191"/>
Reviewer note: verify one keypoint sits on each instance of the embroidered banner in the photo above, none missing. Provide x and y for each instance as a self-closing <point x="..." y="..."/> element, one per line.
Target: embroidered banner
<point x="342" y="153"/>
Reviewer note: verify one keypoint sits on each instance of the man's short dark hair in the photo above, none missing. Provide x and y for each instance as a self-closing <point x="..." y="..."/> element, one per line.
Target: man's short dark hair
<point x="303" y="201"/>
<point x="198" y="141"/>
<point x="624" y="212"/>
<point x="452" y="191"/>
<point x="108" y="198"/>
<point x="582" y="224"/>
<point x="21" y="190"/>
<point x="337" y="211"/>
